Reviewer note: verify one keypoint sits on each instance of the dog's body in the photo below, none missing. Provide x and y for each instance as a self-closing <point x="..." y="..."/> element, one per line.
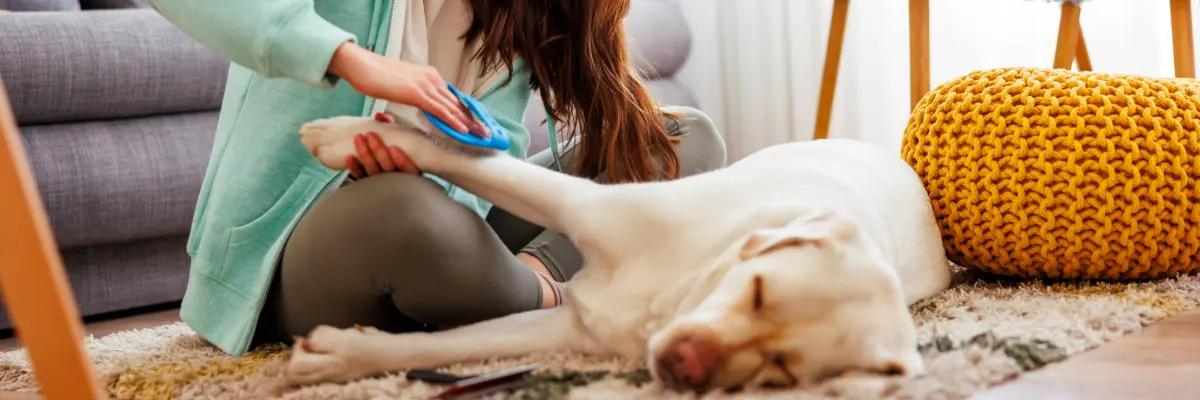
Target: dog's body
<point x="793" y="263"/>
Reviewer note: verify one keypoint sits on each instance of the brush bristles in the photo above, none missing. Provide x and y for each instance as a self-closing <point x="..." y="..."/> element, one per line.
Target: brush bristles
<point x="455" y="146"/>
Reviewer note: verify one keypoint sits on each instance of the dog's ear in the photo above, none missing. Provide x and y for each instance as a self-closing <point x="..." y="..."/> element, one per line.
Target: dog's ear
<point x="817" y="229"/>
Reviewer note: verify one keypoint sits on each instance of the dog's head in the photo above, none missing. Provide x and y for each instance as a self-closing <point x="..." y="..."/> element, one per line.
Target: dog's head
<point x="800" y="303"/>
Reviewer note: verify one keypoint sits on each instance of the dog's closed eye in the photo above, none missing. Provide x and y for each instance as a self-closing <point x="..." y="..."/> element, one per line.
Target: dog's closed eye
<point x="758" y="292"/>
<point x="892" y="368"/>
<point x="782" y="376"/>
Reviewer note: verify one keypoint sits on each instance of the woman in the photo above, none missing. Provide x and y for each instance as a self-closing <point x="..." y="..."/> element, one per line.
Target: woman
<point x="280" y="244"/>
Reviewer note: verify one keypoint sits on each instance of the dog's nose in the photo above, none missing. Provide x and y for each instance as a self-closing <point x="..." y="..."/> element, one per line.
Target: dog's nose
<point x="687" y="364"/>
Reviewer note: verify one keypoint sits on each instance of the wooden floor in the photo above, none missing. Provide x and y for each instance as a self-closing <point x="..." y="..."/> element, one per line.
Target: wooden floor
<point x="147" y="319"/>
<point x="1159" y="363"/>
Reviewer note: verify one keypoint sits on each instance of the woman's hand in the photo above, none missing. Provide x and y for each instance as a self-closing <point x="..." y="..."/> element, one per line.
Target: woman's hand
<point x="420" y="86"/>
<point x="373" y="157"/>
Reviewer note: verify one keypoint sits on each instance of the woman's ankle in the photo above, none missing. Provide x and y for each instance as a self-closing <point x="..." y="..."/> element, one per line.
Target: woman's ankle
<point x="535" y="264"/>
<point x="551" y="289"/>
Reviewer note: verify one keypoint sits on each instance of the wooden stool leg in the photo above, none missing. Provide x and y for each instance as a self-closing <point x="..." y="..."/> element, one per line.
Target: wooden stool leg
<point x="918" y="49"/>
<point x="1068" y="36"/>
<point x="833" y="56"/>
<point x="1081" y="54"/>
<point x="1181" y="38"/>
<point x="34" y="285"/>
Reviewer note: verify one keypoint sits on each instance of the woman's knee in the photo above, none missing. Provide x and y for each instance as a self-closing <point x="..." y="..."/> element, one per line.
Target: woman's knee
<point x="392" y="204"/>
<point x="336" y="263"/>
<point x="374" y="220"/>
<point x="437" y="260"/>
<point x="702" y="148"/>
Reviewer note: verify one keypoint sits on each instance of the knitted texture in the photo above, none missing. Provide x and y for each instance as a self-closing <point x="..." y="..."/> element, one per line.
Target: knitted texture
<point x="1062" y="175"/>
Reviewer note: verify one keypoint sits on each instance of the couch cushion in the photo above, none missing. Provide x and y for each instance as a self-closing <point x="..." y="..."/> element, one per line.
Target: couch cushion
<point x="659" y="37"/>
<point x="121" y="180"/>
<point x="61" y="67"/>
<point x="125" y="275"/>
<point x="39" y="5"/>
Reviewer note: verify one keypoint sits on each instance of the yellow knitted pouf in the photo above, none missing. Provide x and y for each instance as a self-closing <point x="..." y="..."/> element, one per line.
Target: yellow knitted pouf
<point x="1063" y="175"/>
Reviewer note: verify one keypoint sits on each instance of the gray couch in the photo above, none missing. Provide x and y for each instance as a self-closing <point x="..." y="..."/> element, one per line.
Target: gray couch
<point x="117" y="110"/>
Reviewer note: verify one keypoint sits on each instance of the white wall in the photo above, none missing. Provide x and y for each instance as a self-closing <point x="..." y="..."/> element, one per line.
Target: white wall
<point x="756" y="64"/>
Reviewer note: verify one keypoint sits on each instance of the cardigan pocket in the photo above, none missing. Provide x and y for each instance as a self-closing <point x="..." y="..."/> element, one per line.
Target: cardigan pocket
<point x="251" y="243"/>
<point x="236" y="91"/>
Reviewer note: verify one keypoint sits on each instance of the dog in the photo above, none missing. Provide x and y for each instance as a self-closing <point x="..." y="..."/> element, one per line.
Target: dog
<point x="794" y="264"/>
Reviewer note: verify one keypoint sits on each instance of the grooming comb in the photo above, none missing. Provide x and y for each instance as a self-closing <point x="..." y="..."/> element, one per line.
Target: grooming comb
<point x="465" y="141"/>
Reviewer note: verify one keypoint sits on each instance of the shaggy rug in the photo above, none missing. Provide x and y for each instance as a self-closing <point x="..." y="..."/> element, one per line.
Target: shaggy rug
<point x="980" y="333"/>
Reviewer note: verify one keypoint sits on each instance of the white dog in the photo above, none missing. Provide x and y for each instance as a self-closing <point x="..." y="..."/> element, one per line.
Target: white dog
<point x="793" y="264"/>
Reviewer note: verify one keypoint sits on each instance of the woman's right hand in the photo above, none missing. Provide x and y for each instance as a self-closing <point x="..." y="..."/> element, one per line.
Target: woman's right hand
<point x="402" y="82"/>
<point x="372" y="157"/>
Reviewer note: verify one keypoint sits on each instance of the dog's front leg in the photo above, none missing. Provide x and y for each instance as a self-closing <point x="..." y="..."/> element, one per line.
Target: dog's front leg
<point x="544" y="197"/>
<point x="338" y="355"/>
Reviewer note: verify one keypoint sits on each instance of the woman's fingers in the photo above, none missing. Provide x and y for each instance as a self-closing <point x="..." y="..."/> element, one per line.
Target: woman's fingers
<point x="449" y="109"/>
<point x="479" y="130"/>
<point x="380" y="152"/>
<point x="438" y="108"/>
<point x="446" y="107"/>
<point x="375" y="157"/>
<point x="470" y="123"/>
<point x="395" y="158"/>
<point x="403" y="163"/>
<point x="356" y="169"/>
<point x="438" y="87"/>
<point x="365" y="157"/>
<point x="385" y="118"/>
<point x="455" y="105"/>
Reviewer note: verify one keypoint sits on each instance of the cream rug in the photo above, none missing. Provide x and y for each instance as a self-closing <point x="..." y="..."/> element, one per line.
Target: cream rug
<point x="980" y="333"/>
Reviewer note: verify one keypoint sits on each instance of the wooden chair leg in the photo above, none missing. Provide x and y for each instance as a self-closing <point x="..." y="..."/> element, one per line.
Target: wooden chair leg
<point x="1068" y="36"/>
<point x="34" y="285"/>
<point x="1181" y="38"/>
<point x="833" y="56"/>
<point x="918" y="49"/>
<point x="1081" y="54"/>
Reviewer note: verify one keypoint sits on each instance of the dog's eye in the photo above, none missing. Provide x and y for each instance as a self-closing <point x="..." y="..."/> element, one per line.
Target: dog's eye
<point x="783" y="377"/>
<point x="758" y="292"/>
<point x="892" y="369"/>
<point x="780" y="360"/>
<point x="775" y="383"/>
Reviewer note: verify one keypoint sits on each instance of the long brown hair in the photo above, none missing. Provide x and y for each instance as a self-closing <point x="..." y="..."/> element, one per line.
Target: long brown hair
<point x="577" y="53"/>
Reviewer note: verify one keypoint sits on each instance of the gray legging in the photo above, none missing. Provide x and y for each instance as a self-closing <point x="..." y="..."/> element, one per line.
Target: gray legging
<point x="394" y="252"/>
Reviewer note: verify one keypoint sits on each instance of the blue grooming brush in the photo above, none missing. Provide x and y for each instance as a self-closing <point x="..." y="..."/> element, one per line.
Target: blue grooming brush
<point x="497" y="141"/>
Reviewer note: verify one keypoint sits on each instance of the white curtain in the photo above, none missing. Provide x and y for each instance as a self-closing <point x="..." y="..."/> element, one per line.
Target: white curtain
<point x="756" y="64"/>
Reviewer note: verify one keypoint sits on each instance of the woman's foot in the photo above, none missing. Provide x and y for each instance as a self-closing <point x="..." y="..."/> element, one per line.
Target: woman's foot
<point x="552" y="292"/>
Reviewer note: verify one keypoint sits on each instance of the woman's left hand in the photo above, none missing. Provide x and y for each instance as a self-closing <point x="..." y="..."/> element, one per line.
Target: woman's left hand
<point x="375" y="158"/>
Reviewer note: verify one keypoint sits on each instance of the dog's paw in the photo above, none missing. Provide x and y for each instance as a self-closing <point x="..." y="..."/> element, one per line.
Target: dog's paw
<point x="331" y="355"/>
<point x="331" y="140"/>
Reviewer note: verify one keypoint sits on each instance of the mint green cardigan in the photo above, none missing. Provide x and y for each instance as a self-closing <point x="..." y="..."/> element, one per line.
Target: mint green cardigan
<point x="260" y="179"/>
